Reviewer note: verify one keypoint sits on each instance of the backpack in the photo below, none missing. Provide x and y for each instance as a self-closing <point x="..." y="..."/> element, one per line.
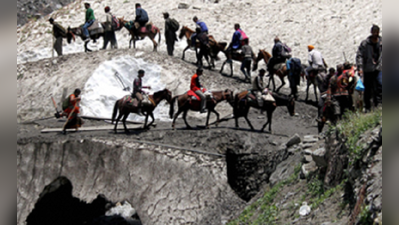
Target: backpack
<point x="65" y="103"/>
<point x="174" y="25"/>
<point x="115" y="23"/>
<point x="286" y="51"/>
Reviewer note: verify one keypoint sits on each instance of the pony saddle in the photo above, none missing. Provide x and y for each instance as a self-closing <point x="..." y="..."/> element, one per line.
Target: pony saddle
<point x="129" y="100"/>
<point x="279" y="66"/>
<point x="95" y="28"/>
<point x="194" y="97"/>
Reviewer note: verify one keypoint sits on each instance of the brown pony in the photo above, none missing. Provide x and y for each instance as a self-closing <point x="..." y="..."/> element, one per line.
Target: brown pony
<point x="242" y="106"/>
<point x="125" y="108"/>
<point x="187" y="32"/>
<point x="280" y="73"/>
<point x="185" y="103"/>
<point x="151" y="32"/>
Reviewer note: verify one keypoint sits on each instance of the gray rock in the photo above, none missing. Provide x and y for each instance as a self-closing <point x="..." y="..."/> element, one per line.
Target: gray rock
<point x="296" y="139"/>
<point x="307" y="152"/>
<point x="319" y="157"/>
<point x="183" y="6"/>
<point x="306" y="146"/>
<point x="308" y="169"/>
<point x="310" y="139"/>
<point x="285" y="169"/>
<point x="307" y="159"/>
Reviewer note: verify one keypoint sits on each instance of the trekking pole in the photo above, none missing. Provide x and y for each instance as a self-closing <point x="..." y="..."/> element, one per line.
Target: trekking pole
<point x="118" y="76"/>
<point x="345" y="56"/>
<point x="57" y="114"/>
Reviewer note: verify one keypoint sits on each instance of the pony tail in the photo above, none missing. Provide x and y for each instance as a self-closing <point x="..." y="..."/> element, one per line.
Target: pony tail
<point x="115" y="112"/>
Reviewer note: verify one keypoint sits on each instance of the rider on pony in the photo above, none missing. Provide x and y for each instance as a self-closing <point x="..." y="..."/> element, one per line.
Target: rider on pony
<point x="141" y="19"/>
<point x="317" y="64"/>
<point x="279" y="56"/>
<point x="137" y="90"/>
<point x="197" y="88"/>
<point x="89" y="20"/>
<point x="237" y="41"/>
<point x="199" y="24"/>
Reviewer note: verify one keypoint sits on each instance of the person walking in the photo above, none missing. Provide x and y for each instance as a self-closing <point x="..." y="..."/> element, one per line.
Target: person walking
<point x="369" y="65"/>
<point x="109" y="33"/>
<point x="89" y="20"/>
<point x="170" y="34"/>
<point x="59" y="32"/>
<point x="246" y="62"/>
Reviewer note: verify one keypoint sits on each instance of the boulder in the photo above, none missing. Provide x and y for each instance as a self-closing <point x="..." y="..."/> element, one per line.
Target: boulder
<point x="296" y="139"/>
<point x="183" y="6"/>
<point x="319" y="157"/>
<point x="308" y="169"/>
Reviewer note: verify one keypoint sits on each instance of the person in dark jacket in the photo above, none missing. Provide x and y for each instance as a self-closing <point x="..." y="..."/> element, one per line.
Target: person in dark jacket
<point x="170" y="35"/>
<point x="141" y="19"/>
<point x="369" y="65"/>
<point x="59" y="32"/>
<point x="205" y="48"/>
<point x="277" y="56"/>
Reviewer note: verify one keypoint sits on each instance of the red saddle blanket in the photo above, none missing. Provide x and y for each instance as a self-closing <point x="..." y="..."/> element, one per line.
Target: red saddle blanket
<point x="194" y="96"/>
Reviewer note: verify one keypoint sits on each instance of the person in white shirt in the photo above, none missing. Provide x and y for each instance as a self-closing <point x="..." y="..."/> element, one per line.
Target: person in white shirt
<point x="316" y="61"/>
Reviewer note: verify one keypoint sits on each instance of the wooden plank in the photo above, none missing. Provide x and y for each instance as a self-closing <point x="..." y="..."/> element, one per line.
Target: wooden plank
<point x="94" y="128"/>
<point x="104" y="118"/>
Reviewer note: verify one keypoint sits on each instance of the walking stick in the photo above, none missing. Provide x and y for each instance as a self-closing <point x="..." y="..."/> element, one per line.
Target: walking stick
<point x="57" y="114"/>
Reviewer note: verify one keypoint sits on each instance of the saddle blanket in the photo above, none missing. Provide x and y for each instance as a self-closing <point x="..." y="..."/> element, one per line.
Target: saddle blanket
<point x="195" y="97"/>
<point x="279" y="66"/>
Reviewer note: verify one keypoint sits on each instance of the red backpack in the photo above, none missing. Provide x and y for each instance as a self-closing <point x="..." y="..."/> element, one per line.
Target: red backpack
<point x="115" y="23"/>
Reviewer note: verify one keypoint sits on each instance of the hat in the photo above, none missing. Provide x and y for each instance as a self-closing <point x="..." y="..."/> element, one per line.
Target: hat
<point x="310" y="47"/>
<point x="141" y="71"/>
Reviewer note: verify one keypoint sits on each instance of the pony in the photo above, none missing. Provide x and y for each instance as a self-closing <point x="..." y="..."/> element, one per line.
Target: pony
<point x="281" y="73"/>
<point x="95" y="34"/>
<point x="185" y="103"/>
<point x="149" y="31"/>
<point x="222" y="46"/>
<point x="147" y="108"/>
<point x="187" y="32"/>
<point x="242" y="106"/>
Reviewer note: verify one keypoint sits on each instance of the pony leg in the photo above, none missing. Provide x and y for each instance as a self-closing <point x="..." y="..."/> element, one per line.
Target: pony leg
<point x="221" y="70"/>
<point x="307" y="91"/>
<point x="184" y="51"/>
<point x="145" y="121"/>
<point x="155" y="44"/>
<point x="217" y="117"/>
<point x="231" y="68"/>
<point x="315" y="91"/>
<point x="185" y="120"/>
<point x="249" y="122"/>
<point x="207" y="119"/>
<point x="152" y="118"/>
<point x="117" y="121"/>
<point x="174" y="119"/>
<point x="130" y="42"/>
<point x="124" y="122"/>
<point x="282" y="83"/>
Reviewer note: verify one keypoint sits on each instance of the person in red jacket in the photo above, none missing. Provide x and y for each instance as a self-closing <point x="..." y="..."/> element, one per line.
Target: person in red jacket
<point x="196" y="87"/>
